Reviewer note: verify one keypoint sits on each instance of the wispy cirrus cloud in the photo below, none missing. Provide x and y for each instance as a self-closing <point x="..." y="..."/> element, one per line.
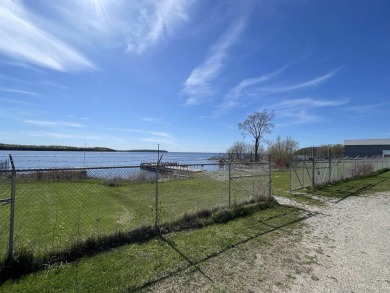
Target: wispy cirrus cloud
<point x="307" y="84"/>
<point x="236" y="95"/>
<point x="11" y="79"/>
<point x="47" y="123"/>
<point x="137" y="25"/>
<point x="16" y="102"/>
<point x="17" y="91"/>
<point x="303" y="110"/>
<point x="369" y="109"/>
<point x="157" y="21"/>
<point x="159" y="138"/>
<point x="199" y="84"/>
<point x="25" y="41"/>
<point x="63" y="135"/>
<point x="154" y="120"/>
<point x="310" y="103"/>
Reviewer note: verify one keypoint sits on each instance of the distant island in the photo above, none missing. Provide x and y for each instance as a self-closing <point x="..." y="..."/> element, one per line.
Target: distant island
<point x="19" y="147"/>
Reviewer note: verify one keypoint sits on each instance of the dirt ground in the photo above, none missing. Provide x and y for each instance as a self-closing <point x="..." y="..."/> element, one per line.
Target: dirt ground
<point x="344" y="248"/>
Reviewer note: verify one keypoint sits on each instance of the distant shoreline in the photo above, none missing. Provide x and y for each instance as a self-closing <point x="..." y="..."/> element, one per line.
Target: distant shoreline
<point x="17" y="147"/>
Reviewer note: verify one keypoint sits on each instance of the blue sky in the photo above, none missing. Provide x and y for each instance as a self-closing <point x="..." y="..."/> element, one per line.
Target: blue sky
<point x="133" y="74"/>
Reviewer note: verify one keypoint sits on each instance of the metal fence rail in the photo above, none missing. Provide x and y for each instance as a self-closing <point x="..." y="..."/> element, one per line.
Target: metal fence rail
<point x="58" y="208"/>
<point x="316" y="172"/>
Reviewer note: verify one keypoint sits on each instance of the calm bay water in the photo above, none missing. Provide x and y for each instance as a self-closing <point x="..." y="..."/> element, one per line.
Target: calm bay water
<point x="70" y="159"/>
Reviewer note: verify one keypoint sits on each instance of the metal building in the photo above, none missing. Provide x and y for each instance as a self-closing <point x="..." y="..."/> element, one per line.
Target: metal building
<point x="367" y="147"/>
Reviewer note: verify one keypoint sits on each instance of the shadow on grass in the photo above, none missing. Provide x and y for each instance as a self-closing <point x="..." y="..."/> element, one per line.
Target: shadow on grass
<point x="359" y="185"/>
<point x="24" y="262"/>
<point x="340" y="190"/>
<point x="195" y="264"/>
<point x="360" y="190"/>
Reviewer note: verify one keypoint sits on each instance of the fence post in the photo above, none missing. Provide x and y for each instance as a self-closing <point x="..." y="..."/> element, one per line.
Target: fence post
<point x="290" y="169"/>
<point x="313" y="181"/>
<point x="12" y="213"/>
<point x="230" y="185"/>
<point x="156" y="198"/>
<point x="330" y="166"/>
<point x="270" y="176"/>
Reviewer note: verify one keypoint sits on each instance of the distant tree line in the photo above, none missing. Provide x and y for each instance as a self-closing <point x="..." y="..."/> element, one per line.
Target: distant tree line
<point x="17" y="147"/>
<point x="321" y="152"/>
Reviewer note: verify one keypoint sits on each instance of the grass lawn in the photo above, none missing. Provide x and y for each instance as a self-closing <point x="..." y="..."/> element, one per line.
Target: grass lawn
<point x="53" y="215"/>
<point x="135" y="267"/>
<point x="280" y="187"/>
<point x="376" y="182"/>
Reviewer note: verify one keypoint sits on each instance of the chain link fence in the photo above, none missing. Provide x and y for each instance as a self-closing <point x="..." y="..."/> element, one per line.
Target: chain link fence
<point x="315" y="172"/>
<point x="54" y="209"/>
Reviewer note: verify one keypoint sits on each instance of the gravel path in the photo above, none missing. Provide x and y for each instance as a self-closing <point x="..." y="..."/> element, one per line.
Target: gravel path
<point x="344" y="248"/>
<point x="352" y="240"/>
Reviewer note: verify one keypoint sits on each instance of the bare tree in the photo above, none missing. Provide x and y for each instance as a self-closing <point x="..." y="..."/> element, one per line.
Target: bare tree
<point x="257" y="124"/>
<point x="282" y="150"/>
<point x="240" y="151"/>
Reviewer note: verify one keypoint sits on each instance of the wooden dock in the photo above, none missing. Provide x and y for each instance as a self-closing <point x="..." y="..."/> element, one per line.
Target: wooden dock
<point x="168" y="166"/>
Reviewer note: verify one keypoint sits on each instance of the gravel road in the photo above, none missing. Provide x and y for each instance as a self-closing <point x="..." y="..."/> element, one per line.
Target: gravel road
<point x="352" y="240"/>
<point x="344" y="248"/>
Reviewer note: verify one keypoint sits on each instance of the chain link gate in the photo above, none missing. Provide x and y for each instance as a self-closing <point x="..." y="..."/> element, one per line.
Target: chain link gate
<point x="250" y="182"/>
<point x="7" y="208"/>
<point x="5" y="200"/>
<point x="300" y="174"/>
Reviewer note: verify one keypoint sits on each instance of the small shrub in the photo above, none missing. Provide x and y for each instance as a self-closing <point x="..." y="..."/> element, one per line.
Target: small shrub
<point x="362" y="169"/>
<point x="55" y="175"/>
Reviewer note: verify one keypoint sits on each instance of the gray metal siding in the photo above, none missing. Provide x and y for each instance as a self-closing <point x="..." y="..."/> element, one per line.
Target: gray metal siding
<point x="365" y="150"/>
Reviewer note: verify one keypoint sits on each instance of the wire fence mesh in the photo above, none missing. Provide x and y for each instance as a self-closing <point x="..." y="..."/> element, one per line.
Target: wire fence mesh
<point x="311" y="173"/>
<point x="5" y="188"/>
<point x="58" y="208"/>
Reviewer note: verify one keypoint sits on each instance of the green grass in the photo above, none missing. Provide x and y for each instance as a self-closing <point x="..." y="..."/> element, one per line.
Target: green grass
<point x="376" y="182"/>
<point x="52" y="215"/>
<point x="281" y="187"/>
<point x="137" y="266"/>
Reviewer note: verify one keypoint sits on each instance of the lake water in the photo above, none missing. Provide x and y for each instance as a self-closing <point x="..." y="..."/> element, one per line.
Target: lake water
<point x="70" y="159"/>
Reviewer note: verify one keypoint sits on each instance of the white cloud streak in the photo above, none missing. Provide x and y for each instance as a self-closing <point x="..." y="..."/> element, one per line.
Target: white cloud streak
<point x="300" y="111"/>
<point x="16" y="102"/>
<point x="154" y="121"/>
<point x="137" y="25"/>
<point x="369" y="109"/>
<point x="67" y="136"/>
<point x="17" y="91"/>
<point x="158" y="20"/>
<point x="307" y="84"/>
<point x="310" y="103"/>
<point x="159" y="138"/>
<point x="239" y="91"/>
<point x="199" y="84"/>
<point x="23" y="40"/>
<point x="46" y="123"/>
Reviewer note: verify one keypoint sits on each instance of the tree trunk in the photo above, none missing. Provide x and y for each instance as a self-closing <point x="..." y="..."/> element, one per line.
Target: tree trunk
<point x="256" y="149"/>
